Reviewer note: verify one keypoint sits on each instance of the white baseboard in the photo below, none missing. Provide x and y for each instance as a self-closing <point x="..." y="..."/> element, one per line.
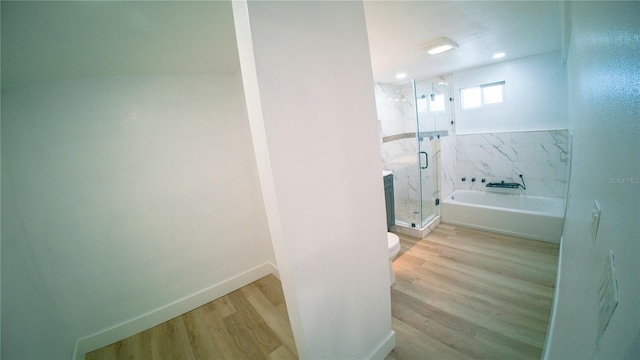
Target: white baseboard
<point x="384" y="347"/>
<point x="168" y="312"/>
<point x="275" y="272"/>
<point x="554" y="307"/>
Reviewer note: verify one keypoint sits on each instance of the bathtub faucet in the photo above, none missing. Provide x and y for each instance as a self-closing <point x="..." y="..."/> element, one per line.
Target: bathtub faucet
<point x="505" y="185"/>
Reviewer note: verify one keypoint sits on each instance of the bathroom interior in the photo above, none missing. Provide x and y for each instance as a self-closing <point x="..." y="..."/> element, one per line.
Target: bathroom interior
<point x="430" y="154"/>
<point x="151" y="167"/>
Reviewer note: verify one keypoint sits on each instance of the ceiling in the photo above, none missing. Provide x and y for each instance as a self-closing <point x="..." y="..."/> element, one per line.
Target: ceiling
<point x="48" y="41"/>
<point x="55" y="40"/>
<point x="480" y="28"/>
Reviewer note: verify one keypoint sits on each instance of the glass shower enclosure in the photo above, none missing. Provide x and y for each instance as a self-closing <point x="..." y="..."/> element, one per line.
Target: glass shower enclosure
<point x="413" y="116"/>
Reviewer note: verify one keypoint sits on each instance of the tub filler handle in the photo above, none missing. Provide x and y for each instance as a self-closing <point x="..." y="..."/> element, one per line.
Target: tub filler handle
<point x="505" y="185"/>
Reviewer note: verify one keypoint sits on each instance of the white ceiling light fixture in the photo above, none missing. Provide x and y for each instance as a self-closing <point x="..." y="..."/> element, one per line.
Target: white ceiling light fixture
<point x="499" y="55"/>
<point x="401" y="76"/>
<point x="439" y="46"/>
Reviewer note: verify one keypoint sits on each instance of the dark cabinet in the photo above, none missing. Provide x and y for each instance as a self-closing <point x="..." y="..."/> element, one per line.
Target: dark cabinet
<point x="388" y="197"/>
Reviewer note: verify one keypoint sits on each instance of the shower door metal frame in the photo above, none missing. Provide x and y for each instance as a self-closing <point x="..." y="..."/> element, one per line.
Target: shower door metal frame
<point x="428" y="199"/>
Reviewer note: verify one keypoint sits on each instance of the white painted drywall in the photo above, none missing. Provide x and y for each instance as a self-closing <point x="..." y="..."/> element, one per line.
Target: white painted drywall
<point x="317" y="121"/>
<point x="604" y="119"/>
<point x="535" y="96"/>
<point x="127" y="194"/>
<point x="33" y="325"/>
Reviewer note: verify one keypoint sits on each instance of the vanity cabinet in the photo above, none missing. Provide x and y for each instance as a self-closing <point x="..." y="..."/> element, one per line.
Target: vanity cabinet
<point x="388" y="197"/>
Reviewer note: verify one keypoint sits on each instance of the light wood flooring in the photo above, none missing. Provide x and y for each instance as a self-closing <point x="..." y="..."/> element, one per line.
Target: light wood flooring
<point x="459" y="294"/>
<point x="468" y="294"/>
<point x="249" y="323"/>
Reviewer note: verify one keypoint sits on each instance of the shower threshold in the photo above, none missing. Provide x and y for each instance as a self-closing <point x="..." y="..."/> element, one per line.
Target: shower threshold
<point x="420" y="233"/>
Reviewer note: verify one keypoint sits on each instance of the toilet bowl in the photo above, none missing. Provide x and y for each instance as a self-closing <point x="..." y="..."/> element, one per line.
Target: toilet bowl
<point x="394" y="248"/>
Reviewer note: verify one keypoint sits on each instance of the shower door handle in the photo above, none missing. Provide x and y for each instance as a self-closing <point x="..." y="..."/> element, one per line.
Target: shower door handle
<point x="426" y="160"/>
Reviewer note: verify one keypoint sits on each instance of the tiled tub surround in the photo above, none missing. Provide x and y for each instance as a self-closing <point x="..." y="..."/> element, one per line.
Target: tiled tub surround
<point x="542" y="157"/>
<point x="447" y="164"/>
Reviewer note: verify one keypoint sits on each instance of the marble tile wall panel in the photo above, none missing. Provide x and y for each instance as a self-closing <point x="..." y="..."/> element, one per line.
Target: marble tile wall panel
<point x="430" y="177"/>
<point x="542" y="157"/>
<point x="395" y="109"/>
<point x="396" y="116"/>
<point x="401" y="157"/>
<point x="448" y="166"/>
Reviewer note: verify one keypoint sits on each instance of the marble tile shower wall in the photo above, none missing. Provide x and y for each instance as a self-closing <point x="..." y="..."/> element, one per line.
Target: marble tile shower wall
<point x="542" y="157"/>
<point x="395" y="109"/>
<point x="402" y="159"/>
<point x="396" y="115"/>
<point x="448" y="172"/>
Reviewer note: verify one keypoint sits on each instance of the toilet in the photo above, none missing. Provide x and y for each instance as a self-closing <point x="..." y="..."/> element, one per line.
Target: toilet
<point x="394" y="248"/>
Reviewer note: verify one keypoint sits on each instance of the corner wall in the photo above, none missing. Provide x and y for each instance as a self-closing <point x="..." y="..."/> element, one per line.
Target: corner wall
<point x="129" y="196"/>
<point x="604" y="120"/>
<point x="309" y="86"/>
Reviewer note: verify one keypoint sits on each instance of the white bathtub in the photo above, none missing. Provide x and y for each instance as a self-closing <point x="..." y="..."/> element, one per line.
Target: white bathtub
<point x="531" y="217"/>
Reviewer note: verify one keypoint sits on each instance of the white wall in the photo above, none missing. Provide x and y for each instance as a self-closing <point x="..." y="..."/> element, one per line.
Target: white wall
<point x="535" y="96"/>
<point x="126" y="195"/>
<point x="604" y="120"/>
<point x="309" y="85"/>
<point x="29" y="313"/>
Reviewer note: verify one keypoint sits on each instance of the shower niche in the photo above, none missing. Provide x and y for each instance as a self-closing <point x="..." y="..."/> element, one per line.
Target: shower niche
<point x="414" y="116"/>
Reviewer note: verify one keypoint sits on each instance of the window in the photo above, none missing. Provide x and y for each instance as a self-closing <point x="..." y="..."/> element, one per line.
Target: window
<point x="471" y="97"/>
<point x="437" y="102"/>
<point x="479" y="96"/>
<point x="433" y="103"/>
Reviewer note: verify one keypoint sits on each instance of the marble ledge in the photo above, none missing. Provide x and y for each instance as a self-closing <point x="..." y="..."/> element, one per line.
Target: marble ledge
<point x="410" y="135"/>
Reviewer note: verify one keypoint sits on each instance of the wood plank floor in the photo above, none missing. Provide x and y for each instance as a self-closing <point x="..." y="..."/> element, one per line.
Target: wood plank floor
<point x="459" y="294"/>
<point x="468" y="294"/>
<point x="249" y="323"/>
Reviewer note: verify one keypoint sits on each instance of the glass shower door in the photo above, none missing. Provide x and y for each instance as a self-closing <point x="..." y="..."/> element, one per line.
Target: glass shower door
<point x="429" y="104"/>
<point x="429" y="191"/>
<point x="407" y="173"/>
<point x="409" y="148"/>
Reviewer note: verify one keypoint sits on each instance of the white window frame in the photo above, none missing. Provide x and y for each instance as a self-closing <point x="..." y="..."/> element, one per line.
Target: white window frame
<point x="482" y="101"/>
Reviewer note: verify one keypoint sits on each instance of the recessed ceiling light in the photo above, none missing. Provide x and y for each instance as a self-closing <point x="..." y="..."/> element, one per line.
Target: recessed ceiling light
<point x="401" y="76"/>
<point x="498" y="55"/>
<point x="439" y="46"/>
